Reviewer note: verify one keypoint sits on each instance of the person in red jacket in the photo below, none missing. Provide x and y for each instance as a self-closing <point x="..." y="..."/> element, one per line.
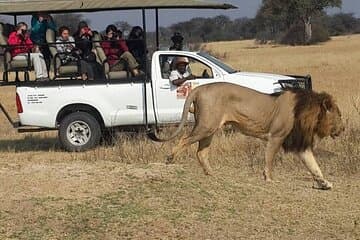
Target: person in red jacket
<point x="21" y="46"/>
<point x="115" y="49"/>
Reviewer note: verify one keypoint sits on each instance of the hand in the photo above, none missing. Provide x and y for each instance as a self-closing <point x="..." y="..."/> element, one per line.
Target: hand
<point x="191" y="77"/>
<point x="35" y="49"/>
<point x="76" y="53"/>
<point x="41" y="18"/>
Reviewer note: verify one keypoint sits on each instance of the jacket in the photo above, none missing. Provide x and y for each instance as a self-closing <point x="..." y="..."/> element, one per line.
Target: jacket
<point x="65" y="46"/>
<point x="38" y="29"/>
<point x="15" y="39"/>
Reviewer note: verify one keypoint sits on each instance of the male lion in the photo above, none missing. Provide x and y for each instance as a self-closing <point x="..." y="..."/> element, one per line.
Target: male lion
<point x="290" y="120"/>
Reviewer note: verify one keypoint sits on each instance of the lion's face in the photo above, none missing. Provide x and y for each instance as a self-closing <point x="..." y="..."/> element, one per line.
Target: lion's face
<point x="330" y="122"/>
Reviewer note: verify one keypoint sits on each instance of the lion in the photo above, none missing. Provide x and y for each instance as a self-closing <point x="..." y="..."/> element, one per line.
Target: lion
<point x="290" y="120"/>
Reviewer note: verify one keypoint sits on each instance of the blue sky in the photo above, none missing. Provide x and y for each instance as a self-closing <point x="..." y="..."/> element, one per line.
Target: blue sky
<point x="246" y="8"/>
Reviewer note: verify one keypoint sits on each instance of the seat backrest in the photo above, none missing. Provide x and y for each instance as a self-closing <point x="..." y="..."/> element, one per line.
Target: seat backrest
<point x="99" y="50"/>
<point x="50" y="39"/>
<point x="100" y="53"/>
<point x="3" y="37"/>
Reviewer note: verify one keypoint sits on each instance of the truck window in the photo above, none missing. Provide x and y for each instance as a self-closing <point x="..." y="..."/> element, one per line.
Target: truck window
<point x="197" y="68"/>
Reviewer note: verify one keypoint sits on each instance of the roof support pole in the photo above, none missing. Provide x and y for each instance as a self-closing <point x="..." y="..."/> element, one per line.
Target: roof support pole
<point x="15" y="20"/>
<point x="146" y="72"/>
<point x="157" y="29"/>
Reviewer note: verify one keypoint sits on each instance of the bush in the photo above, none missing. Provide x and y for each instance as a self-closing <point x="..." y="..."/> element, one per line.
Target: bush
<point x="264" y="37"/>
<point x="320" y="34"/>
<point x="295" y="35"/>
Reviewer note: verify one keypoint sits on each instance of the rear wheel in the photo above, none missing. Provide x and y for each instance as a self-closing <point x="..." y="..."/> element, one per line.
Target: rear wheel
<point x="79" y="131"/>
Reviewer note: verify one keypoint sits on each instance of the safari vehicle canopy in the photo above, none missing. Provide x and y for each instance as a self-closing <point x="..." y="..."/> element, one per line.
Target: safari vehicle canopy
<point x="23" y="7"/>
<point x="27" y="7"/>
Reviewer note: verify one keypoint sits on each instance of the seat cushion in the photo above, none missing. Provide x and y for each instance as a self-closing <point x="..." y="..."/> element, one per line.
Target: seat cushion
<point x="117" y="75"/>
<point x="68" y="69"/>
<point x="18" y="64"/>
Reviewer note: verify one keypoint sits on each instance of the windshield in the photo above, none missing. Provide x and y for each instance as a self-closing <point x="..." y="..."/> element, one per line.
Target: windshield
<point x="217" y="62"/>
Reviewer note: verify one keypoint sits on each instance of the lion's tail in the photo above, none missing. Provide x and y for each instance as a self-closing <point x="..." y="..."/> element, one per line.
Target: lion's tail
<point x="189" y="101"/>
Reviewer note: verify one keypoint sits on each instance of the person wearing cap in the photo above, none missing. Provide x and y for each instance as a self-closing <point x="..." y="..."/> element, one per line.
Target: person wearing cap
<point x="181" y="74"/>
<point x="177" y="40"/>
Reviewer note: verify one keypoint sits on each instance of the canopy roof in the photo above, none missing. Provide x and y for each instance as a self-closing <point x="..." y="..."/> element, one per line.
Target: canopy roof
<point x="23" y="7"/>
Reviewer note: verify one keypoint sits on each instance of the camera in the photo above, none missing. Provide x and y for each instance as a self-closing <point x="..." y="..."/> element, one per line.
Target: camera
<point x="117" y="35"/>
<point x="87" y="30"/>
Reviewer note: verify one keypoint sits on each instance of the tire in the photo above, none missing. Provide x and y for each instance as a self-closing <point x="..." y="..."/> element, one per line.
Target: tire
<point x="79" y="131"/>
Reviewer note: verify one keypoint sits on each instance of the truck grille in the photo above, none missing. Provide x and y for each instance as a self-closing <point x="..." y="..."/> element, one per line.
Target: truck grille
<point x="299" y="82"/>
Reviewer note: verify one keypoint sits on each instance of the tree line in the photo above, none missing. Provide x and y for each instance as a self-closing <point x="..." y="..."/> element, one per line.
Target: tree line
<point x="293" y="22"/>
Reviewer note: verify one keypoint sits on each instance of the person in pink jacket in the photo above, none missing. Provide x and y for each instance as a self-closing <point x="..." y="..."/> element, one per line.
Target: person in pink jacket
<point x="115" y="49"/>
<point x="22" y="45"/>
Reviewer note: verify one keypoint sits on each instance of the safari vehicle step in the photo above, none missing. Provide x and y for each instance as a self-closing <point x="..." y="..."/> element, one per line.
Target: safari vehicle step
<point x="17" y="125"/>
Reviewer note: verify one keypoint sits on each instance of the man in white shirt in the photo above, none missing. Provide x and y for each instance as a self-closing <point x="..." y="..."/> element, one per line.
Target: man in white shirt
<point x="182" y="73"/>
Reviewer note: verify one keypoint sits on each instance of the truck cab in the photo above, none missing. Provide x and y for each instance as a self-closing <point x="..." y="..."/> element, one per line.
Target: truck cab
<point x="207" y="69"/>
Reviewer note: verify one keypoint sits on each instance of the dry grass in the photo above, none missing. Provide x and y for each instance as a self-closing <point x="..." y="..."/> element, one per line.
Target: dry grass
<point x="126" y="192"/>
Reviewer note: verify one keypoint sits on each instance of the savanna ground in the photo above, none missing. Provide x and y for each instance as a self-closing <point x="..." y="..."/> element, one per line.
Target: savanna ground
<point x="126" y="191"/>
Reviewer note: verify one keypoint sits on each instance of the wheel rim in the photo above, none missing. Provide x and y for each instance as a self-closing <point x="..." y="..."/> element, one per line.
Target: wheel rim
<point x="78" y="133"/>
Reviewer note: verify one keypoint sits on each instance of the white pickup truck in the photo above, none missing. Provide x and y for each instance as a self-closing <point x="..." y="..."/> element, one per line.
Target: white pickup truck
<point x="82" y="110"/>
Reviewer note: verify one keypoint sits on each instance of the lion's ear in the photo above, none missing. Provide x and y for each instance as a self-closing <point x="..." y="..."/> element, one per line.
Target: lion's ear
<point x="326" y="104"/>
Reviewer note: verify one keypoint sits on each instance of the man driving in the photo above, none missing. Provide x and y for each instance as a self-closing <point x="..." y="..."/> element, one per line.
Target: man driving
<point x="181" y="74"/>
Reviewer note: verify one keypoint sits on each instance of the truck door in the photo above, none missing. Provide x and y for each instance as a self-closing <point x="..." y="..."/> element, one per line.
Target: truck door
<point x="170" y="98"/>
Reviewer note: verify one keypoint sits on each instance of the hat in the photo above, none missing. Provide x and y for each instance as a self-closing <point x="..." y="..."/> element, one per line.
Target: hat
<point x="180" y="60"/>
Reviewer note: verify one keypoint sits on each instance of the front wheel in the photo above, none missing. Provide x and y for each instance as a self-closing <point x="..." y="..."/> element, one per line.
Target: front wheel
<point x="79" y="132"/>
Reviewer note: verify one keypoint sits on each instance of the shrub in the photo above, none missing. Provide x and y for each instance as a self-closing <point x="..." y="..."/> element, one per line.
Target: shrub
<point x="295" y="35"/>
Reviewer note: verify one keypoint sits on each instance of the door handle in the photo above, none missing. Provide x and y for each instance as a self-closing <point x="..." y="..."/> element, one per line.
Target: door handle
<point x="165" y="86"/>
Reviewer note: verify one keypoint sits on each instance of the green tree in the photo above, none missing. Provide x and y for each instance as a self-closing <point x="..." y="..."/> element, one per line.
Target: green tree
<point x="305" y="10"/>
<point x="342" y="23"/>
<point x="281" y="15"/>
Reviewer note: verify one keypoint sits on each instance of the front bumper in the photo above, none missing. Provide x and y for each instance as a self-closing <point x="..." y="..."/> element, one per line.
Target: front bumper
<point x="303" y="82"/>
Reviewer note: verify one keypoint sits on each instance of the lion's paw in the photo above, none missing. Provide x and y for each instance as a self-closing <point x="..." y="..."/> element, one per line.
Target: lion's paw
<point x="323" y="185"/>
